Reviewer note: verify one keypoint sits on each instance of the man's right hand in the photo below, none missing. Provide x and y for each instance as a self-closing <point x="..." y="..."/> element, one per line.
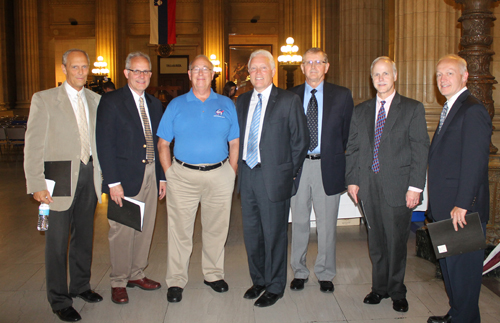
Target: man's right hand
<point x="116" y="194"/>
<point x="43" y="197"/>
<point x="353" y="191"/>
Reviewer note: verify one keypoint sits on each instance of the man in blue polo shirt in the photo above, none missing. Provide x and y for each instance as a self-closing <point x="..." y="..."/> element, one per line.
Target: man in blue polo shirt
<point x="203" y="170"/>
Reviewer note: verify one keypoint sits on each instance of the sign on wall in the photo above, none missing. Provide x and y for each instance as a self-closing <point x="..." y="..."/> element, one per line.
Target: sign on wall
<point x="174" y="65"/>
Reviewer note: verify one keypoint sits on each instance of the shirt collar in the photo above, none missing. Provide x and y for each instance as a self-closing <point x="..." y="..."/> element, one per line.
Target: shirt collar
<point x="192" y="97"/>
<point x="454" y="98"/>
<point x="72" y="92"/>
<point x="319" y="88"/>
<point x="137" y="96"/>
<point x="265" y="94"/>
<point x="387" y="100"/>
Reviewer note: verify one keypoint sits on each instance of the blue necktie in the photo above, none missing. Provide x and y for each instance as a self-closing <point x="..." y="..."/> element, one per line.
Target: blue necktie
<point x="253" y="136"/>
<point x="444" y="114"/>
<point x="379" y="128"/>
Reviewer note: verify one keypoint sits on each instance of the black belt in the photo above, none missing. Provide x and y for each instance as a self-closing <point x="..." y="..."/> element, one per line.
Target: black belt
<point x="313" y="157"/>
<point x="202" y="168"/>
<point x="256" y="166"/>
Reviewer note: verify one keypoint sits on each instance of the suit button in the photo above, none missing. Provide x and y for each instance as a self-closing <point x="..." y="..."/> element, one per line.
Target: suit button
<point x="144" y="146"/>
<point x="143" y="161"/>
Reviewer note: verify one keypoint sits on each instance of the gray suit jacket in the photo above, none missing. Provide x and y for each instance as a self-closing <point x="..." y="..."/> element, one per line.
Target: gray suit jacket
<point x="52" y="135"/>
<point x="402" y="153"/>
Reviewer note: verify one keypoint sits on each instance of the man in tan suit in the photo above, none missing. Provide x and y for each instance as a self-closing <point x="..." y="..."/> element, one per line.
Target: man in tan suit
<point x="61" y="127"/>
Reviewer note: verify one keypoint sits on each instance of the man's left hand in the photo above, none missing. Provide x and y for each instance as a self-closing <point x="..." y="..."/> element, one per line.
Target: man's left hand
<point x="412" y="199"/>
<point x="163" y="190"/>
<point x="458" y="216"/>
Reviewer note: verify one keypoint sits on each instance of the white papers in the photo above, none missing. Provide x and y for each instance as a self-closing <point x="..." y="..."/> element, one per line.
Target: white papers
<point x="50" y="186"/>
<point x="141" y="206"/>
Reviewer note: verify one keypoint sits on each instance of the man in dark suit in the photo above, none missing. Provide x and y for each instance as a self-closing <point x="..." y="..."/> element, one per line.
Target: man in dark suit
<point x="127" y="121"/>
<point x="274" y="143"/>
<point x="328" y="108"/>
<point x="458" y="183"/>
<point x="386" y="165"/>
<point x="61" y="127"/>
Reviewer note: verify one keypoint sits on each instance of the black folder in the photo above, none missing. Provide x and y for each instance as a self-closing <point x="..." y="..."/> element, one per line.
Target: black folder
<point x="129" y="214"/>
<point x="59" y="172"/>
<point x="448" y="242"/>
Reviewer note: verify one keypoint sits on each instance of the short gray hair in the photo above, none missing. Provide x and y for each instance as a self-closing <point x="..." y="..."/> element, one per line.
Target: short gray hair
<point x="201" y="56"/>
<point x="462" y="63"/>
<point x="65" y="55"/>
<point x="385" y="58"/>
<point x="316" y="50"/>
<point x="265" y="53"/>
<point x="134" y="55"/>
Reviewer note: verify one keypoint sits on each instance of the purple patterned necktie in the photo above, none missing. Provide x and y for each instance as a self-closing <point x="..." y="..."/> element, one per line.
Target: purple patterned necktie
<point x="379" y="128"/>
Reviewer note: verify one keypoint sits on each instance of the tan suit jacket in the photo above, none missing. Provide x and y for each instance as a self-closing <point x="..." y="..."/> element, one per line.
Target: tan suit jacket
<point x="52" y="135"/>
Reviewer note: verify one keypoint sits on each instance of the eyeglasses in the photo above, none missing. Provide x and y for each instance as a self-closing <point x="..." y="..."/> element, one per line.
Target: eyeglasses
<point x="311" y="63"/>
<point x="139" y="72"/>
<point x="204" y="70"/>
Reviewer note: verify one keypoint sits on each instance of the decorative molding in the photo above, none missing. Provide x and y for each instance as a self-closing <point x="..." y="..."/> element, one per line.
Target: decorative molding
<point x="253" y="1"/>
<point x="71" y="2"/>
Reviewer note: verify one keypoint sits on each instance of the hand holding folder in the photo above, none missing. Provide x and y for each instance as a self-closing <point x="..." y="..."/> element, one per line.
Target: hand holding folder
<point x="130" y="214"/>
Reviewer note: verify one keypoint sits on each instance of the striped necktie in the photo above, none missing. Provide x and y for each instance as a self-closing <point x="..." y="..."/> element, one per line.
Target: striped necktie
<point x="379" y="128"/>
<point x="150" y="152"/>
<point x="83" y="128"/>
<point x="253" y="138"/>
<point x="444" y="114"/>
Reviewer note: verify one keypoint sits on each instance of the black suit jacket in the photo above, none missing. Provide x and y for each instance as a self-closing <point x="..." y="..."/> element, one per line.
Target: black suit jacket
<point x="458" y="161"/>
<point x="337" y="113"/>
<point x="284" y="140"/>
<point x="404" y="147"/>
<point x="121" y="143"/>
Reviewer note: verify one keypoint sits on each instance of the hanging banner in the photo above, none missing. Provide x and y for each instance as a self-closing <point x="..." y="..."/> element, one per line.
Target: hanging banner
<point x="162" y="22"/>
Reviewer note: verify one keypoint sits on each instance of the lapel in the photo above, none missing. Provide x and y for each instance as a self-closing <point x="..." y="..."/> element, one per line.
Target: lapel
<point x="301" y="92"/>
<point x="270" y="106"/>
<point x="369" y="117"/>
<point x="92" y="104"/>
<point x="453" y="111"/>
<point x="149" y="103"/>
<point x="129" y="103"/>
<point x="394" y="111"/>
<point x="245" y="106"/>
<point x="64" y="105"/>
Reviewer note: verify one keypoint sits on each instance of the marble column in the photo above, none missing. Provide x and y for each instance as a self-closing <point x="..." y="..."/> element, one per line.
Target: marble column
<point x="214" y="38"/>
<point x="26" y="43"/>
<point x="361" y="40"/>
<point x="106" y="35"/>
<point x="425" y="30"/>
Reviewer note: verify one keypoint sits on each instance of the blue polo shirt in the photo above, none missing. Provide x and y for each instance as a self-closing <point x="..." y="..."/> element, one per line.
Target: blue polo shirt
<point x="201" y="129"/>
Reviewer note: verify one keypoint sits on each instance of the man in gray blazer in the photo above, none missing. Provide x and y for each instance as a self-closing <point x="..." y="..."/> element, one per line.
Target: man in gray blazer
<point x="61" y="127"/>
<point x="386" y="164"/>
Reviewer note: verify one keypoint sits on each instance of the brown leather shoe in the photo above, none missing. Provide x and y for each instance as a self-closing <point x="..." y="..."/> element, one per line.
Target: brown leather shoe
<point x="145" y="283"/>
<point x="119" y="295"/>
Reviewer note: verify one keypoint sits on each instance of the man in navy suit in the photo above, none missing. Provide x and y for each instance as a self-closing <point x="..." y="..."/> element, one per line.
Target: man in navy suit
<point x="458" y="183"/>
<point x="127" y="121"/>
<point x="328" y="108"/>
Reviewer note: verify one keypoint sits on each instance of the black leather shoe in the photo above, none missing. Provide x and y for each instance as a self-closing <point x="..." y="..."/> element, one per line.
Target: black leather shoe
<point x="220" y="286"/>
<point x="267" y="299"/>
<point x="298" y="284"/>
<point x="254" y="291"/>
<point x="400" y="305"/>
<point x="174" y="294"/>
<point x="68" y="314"/>
<point x="440" y="319"/>
<point x="374" y="298"/>
<point x="89" y="296"/>
<point x="326" y="286"/>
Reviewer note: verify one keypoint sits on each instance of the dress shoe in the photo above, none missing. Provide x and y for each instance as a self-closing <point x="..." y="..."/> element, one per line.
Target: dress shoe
<point x="267" y="299"/>
<point x="440" y="319"/>
<point x="144" y="283"/>
<point x="220" y="286"/>
<point x="174" y="294"/>
<point x="254" y="291"/>
<point x="326" y="286"/>
<point x="119" y="295"/>
<point x="374" y="298"/>
<point x="68" y="314"/>
<point x="298" y="284"/>
<point x="400" y="305"/>
<point x="89" y="296"/>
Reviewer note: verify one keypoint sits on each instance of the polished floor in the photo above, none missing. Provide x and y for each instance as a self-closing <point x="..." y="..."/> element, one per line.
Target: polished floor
<point x="22" y="276"/>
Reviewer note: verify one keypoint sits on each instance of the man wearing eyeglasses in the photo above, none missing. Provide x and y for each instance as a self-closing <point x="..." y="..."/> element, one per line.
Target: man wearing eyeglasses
<point x="204" y="125"/>
<point x="127" y="121"/>
<point x="386" y="162"/>
<point x="321" y="181"/>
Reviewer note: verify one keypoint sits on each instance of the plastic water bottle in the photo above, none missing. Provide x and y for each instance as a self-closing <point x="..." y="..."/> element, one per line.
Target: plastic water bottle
<point x="43" y="217"/>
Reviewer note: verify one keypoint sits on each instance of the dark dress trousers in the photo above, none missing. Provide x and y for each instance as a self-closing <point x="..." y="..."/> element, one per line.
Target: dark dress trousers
<point x="266" y="189"/>
<point x="458" y="176"/>
<point x="402" y="155"/>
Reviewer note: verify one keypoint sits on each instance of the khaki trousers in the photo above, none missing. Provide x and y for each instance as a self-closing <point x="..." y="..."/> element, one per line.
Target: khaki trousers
<point x="129" y="248"/>
<point x="186" y="188"/>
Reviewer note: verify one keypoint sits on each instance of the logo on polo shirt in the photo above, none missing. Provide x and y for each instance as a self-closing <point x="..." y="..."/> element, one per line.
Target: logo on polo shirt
<point x="219" y="113"/>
